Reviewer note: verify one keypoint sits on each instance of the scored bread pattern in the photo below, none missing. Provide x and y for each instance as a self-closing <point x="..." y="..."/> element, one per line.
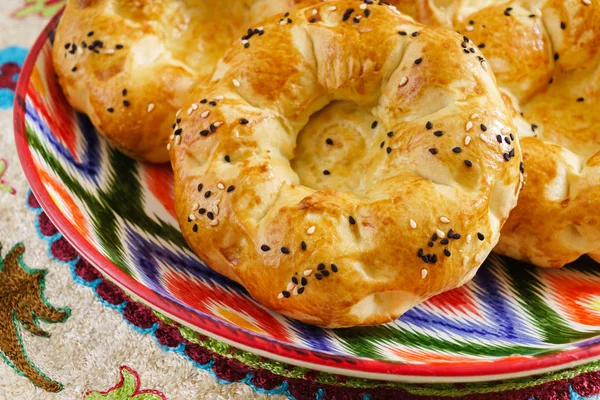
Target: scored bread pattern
<point x="124" y="209"/>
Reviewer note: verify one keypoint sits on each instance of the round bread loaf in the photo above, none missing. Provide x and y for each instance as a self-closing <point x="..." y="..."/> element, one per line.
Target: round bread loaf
<point x="343" y="166"/>
<point x="128" y="64"/>
<point x="546" y="57"/>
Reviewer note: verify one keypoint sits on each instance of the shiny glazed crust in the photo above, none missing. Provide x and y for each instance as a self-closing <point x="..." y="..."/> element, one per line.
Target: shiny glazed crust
<point x="362" y="236"/>
<point x="130" y="64"/>
<point x="546" y="57"/>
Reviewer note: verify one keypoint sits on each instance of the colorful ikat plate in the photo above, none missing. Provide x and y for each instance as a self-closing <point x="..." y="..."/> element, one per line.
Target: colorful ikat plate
<point x="511" y="320"/>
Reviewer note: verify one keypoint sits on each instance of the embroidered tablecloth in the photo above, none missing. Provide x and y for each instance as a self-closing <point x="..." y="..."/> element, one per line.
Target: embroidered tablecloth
<point x="67" y="333"/>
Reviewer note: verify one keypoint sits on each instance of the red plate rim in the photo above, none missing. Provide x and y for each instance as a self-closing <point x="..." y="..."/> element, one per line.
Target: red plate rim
<point x="361" y="367"/>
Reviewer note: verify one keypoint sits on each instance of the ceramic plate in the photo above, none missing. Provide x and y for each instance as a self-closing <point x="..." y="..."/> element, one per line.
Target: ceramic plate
<point x="511" y="320"/>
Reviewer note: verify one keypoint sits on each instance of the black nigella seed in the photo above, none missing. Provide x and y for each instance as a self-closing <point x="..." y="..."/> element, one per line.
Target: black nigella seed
<point x="318" y="276"/>
<point x="173" y="126"/>
<point x="264" y="247"/>
<point x="444" y="241"/>
<point x="418" y="61"/>
<point x="456" y="236"/>
<point x="204" y="132"/>
<point x="244" y="121"/>
<point x="374" y="125"/>
<point x="124" y="92"/>
<point x="425" y="259"/>
<point x="119" y="46"/>
<point x="433" y="151"/>
<point x="506" y="157"/>
<point x="207" y="194"/>
<point x="203" y="101"/>
<point x="321" y="267"/>
<point x="499" y="138"/>
<point x="301" y="290"/>
<point x="74" y="69"/>
<point x="382" y="144"/>
<point x="483" y="127"/>
<point x="326" y="172"/>
<point x="415" y="34"/>
<point x="202" y="211"/>
<point x="522" y="167"/>
<point x="67" y="46"/>
<point x="178" y="120"/>
<point x="465" y="39"/>
<point x="472" y="50"/>
<point x="420" y="253"/>
<point x="312" y="20"/>
<point x="110" y="109"/>
<point x="512" y="137"/>
<point x="434" y="237"/>
<point x="212" y="103"/>
<point x="325" y="273"/>
<point x="303" y="245"/>
<point x="227" y="159"/>
<point x="90" y="33"/>
<point x="468" y="163"/>
<point x="402" y="33"/>
<point x="480" y="236"/>
<point x="433" y="259"/>
<point x="430" y="244"/>
<point x="294" y="280"/>
<point x="329" y="141"/>
<point x="428" y="125"/>
<point x="450" y="233"/>
<point x="286" y="294"/>
<point x="356" y="19"/>
<point x="246" y="45"/>
<point x="563" y="25"/>
<point x="178" y="132"/>
<point x="195" y="228"/>
<point x="457" y="149"/>
<point x="580" y="99"/>
<point x="367" y="13"/>
<point x="390" y="134"/>
<point x="388" y="150"/>
<point x="126" y="103"/>
<point x="230" y="189"/>
<point x="334" y="268"/>
<point x="447" y="253"/>
<point x="438" y="133"/>
<point x="556" y="56"/>
<point x="303" y="281"/>
<point x="463" y="45"/>
<point x="212" y="127"/>
<point x="200" y="186"/>
<point x="507" y="140"/>
<point x="285" y="250"/>
<point x="481" y="45"/>
<point x="533" y="127"/>
<point x="210" y="215"/>
<point x="352" y="220"/>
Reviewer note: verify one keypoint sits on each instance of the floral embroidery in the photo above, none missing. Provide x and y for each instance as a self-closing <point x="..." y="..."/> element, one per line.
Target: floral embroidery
<point x="44" y="8"/>
<point x="22" y="305"/>
<point x="11" y="61"/>
<point x="128" y="388"/>
<point x="5" y="187"/>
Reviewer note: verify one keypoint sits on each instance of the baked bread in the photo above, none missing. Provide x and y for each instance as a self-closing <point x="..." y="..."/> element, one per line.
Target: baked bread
<point x="343" y="167"/>
<point x="129" y="64"/>
<point x="546" y="57"/>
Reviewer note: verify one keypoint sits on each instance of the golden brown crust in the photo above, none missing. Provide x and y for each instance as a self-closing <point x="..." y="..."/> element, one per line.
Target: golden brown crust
<point x="546" y="54"/>
<point x="155" y="49"/>
<point x="351" y="238"/>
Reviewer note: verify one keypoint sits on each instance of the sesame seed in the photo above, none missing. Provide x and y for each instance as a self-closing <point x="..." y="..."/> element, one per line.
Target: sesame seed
<point x="315" y="11"/>
<point x="220" y="186"/>
<point x="480" y="236"/>
<point x="264" y="247"/>
<point x="191" y="218"/>
<point x="290" y="286"/>
<point x="374" y="125"/>
<point x="195" y="206"/>
<point x="194" y="106"/>
<point x="457" y="150"/>
<point x="326" y="172"/>
<point x="303" y="245"/>
<point x="150" y="107"/>
<point x="468" y="163"/>
<point x="469" y="28"/>
<point x="433" y="151"/>
<point x="413" y="224"/>
<point x="307" y="272"/>
<point x="236" y="83"/>
<point x="311" y="230"/>
<point x="587" y="2"/>
<point x="363" y="6"/>
<point x="178" y="139"/>
<point x="467" y="140"/>
<point x="285" y="250"/>
<point x="418" y="61"/>
<point x="484" y="65"/>
<point x="329" y="141"/>
<point x="423" y="273"/>
<point x="505" y="130"/>
<point x="468" y="126"/>
<point x="351" y="220"/>
<point x="404" y="80"/>
<point x="468" y="238"/>
<point x="440" y="234"/>
<point x="444" y="220"/>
